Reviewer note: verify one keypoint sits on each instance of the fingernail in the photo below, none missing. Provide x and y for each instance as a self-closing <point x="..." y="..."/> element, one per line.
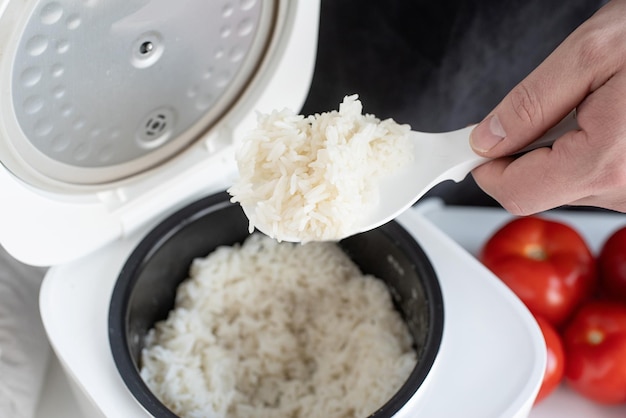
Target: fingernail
<point x="487" y="134"/>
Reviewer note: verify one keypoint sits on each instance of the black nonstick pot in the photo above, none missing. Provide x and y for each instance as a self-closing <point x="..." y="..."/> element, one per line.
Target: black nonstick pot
<point x="145" y="290"/>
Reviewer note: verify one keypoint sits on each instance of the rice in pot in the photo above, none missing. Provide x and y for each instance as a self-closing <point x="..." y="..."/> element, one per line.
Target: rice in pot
<point x="316" y="177"/>
<point x="268" y="329"/>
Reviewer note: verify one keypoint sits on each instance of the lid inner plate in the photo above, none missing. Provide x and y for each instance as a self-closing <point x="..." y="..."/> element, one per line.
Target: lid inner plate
<point x="103" y="89"/>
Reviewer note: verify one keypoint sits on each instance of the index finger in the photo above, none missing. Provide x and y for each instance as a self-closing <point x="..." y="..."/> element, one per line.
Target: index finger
<point x="541" y="179"/>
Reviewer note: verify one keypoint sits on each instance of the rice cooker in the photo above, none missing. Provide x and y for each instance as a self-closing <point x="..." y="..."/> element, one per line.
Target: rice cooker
<point x="115" y="114"/>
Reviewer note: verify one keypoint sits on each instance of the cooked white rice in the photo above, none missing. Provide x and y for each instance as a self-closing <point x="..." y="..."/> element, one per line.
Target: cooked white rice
<point x="270" y="329"/>
<point x="314" y="178"/>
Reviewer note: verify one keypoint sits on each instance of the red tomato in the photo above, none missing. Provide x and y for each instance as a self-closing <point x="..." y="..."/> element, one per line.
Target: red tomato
<point x="547" y="264"/>
<point x="612" y="266"/>
<point x="555" y="365"/>
<point x="595" y="349"/>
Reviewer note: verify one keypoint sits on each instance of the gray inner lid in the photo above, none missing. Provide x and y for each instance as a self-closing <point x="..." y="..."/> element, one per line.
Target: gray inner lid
<point x="120" y="85"/>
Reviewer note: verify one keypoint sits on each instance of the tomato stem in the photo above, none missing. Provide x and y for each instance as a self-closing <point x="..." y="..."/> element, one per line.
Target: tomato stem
<point x="536" y="252"/>
<point x="595" y="337"/>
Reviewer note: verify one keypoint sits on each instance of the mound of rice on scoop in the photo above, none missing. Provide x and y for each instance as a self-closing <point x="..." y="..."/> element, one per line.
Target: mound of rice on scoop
<point x="314" y="178"/>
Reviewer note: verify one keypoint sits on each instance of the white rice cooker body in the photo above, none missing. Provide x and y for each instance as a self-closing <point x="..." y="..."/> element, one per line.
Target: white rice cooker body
<point x="115" y="113"/>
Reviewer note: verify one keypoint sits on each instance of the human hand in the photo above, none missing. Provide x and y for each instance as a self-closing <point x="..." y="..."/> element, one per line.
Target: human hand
<point x="587" y="72"/>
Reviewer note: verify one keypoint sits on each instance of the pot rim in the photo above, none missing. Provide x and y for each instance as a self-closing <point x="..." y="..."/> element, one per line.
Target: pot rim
<point x="157" y="236"/>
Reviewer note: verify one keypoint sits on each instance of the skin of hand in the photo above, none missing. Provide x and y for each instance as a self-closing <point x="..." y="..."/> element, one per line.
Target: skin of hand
<point x="587" y="72"/>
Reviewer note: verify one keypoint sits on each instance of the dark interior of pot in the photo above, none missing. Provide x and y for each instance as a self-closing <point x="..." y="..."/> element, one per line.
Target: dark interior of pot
<point x="146" y="287"/>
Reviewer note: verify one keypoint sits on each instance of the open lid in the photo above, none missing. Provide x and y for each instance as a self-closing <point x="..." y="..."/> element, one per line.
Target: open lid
<point x="114" y="112"/>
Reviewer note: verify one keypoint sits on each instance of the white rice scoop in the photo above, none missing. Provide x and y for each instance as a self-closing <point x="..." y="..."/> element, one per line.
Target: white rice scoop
<point x="437" y="157"/>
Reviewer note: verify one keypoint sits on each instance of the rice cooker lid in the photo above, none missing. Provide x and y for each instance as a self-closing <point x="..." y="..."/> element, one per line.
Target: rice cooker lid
<point x="96" y="91"/>
<point x="114" y="113"/>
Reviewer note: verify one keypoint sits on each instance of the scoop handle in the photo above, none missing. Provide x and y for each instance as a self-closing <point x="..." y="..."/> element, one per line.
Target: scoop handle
<point x="464" y="159"/>
<point x="568" y="123"/>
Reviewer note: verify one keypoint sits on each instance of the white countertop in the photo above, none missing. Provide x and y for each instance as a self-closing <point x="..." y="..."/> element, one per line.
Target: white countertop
<point x="57" y="399"/>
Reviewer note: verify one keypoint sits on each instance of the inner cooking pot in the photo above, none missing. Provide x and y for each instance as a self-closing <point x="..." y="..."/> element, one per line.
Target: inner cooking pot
<point x="145" y="290"/>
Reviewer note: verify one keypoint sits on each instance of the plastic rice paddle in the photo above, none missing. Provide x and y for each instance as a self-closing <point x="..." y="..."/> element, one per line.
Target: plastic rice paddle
<point x="437" y="157"/>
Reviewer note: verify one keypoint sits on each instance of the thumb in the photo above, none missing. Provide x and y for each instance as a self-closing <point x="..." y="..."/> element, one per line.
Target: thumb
<point x="538" y="102"/>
